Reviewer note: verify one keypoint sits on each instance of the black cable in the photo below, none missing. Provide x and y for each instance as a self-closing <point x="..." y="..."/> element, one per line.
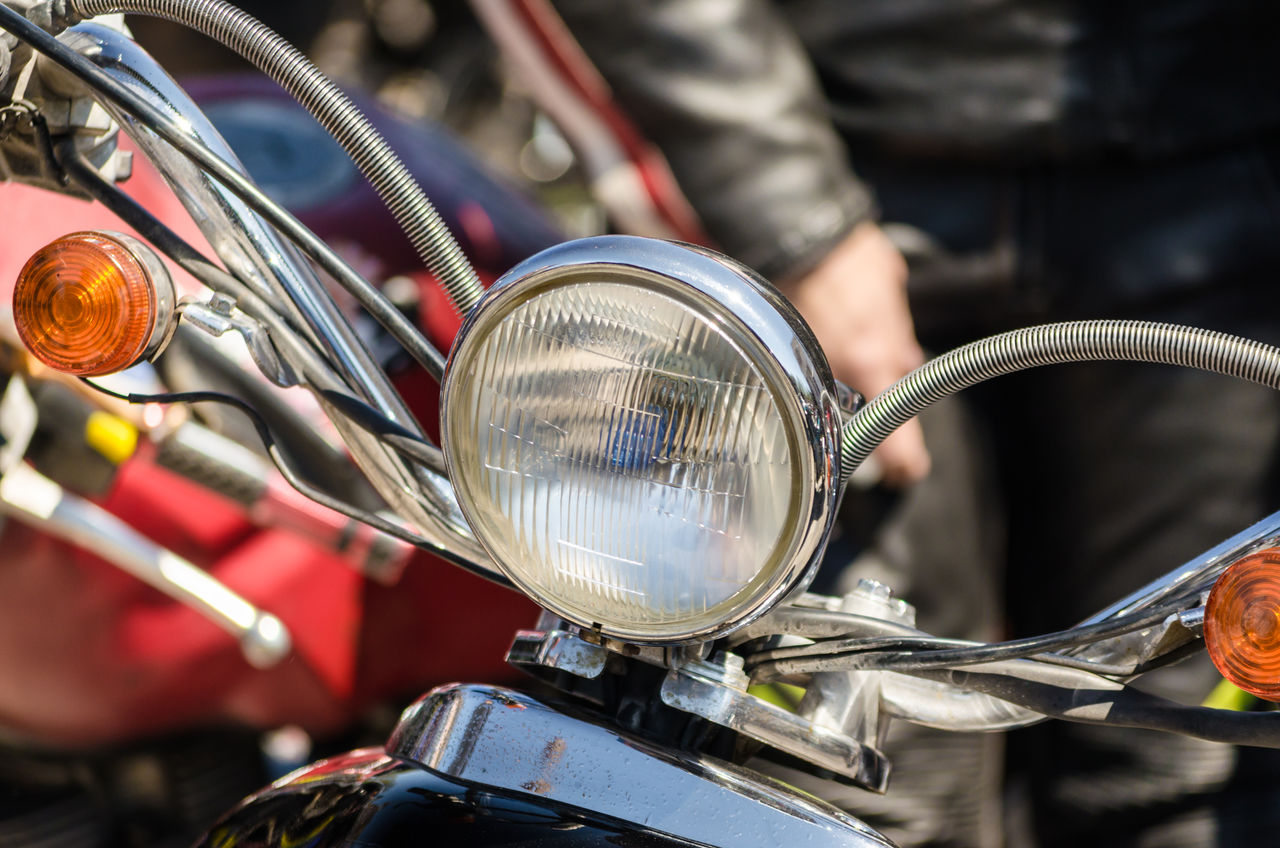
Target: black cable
<point x="397" y="437"/>
<point x="44" y="140"/>
<point x="866" y="645"/>
<point x="323" y="498"/>
<point x="1089" y="703"/>
<point x="764" y="664"/>
<point x="930" y="653"/>
<point x="1116" y="670"/>
<point x="819" y="624"/>
<point x="163" y="125"/>
<point x="193" y="361"/>
<point x="333" y="109"/>
<point x="168" y="242"/>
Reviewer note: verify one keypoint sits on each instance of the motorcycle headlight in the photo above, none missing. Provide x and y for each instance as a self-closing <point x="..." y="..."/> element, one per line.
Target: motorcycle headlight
<point x="643" y="435"/>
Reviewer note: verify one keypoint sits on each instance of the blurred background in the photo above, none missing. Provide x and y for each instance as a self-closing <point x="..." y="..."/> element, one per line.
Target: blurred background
<point x="424" y="61"/>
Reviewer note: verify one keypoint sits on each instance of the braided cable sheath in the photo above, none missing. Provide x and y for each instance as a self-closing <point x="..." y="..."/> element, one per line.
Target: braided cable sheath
<point x="275" y="57"/>
<point x="1049" y="344"/>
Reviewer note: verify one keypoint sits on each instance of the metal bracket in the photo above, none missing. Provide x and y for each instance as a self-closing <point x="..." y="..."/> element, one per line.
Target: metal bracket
<point x="33" y="110"/>
<point x="220" y="315"/>
<point x="848" y="401"/>
<point x="716" y="690"/>
<point x="558" y="649"/>
<point x="713" y="688"/>
<point x="561" y="645"/>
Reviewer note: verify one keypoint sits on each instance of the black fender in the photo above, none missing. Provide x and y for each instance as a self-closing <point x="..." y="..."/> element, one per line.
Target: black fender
<point x="369" y="799"/>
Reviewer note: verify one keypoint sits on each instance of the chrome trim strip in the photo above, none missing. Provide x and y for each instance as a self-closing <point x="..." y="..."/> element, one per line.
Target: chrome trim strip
<point x="1196" y="572"/>
<point x="508" y="740"/>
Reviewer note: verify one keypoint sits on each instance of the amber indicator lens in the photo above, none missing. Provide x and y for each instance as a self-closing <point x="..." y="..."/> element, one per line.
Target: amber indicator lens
<point x="1242" y="624"/>
<point x="85" y="305"/>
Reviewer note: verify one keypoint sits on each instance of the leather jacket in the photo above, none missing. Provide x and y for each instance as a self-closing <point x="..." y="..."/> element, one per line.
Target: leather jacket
<point x="753" y="102"/>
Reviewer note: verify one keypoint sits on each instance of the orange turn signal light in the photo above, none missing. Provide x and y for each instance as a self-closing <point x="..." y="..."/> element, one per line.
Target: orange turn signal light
<point x="1242" y="624"/>
<point x="93" y="303"/>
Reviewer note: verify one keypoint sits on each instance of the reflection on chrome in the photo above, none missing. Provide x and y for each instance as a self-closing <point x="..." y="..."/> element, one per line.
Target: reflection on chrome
<point x="501" y="738"/>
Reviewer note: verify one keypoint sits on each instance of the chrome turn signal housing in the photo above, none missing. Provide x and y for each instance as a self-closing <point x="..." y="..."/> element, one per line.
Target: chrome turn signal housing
<point x="643" y="436"/>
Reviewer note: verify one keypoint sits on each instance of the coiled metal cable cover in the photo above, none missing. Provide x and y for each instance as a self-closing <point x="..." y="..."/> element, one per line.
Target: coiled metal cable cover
<point x="1048" y="344"/>
<point x="275" y="57"/>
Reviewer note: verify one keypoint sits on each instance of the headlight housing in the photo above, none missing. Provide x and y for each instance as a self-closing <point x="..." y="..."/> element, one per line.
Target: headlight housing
<point x="643" y="435"/>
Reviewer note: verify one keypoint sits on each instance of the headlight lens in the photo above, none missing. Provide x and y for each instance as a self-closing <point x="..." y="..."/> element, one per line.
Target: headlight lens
<point x="629" y="452"/>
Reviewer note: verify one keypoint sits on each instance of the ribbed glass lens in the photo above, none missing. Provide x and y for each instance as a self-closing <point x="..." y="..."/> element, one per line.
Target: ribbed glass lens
<point x="623" y="456"/>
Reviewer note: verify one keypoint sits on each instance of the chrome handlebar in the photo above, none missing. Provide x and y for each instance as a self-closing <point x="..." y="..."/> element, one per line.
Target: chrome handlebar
<point x="278" y="274"/>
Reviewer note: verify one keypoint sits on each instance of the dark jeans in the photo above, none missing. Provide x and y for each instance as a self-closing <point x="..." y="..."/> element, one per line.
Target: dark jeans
<point x="1057" y="490"/>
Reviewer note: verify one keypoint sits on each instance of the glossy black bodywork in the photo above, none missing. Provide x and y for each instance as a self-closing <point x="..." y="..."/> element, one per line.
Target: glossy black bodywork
<point x="368" y="799"/>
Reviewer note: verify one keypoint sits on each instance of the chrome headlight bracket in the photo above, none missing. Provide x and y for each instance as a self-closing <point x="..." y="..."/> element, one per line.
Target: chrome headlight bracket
<point x="713" y="686"/>
<point x="643" y="435"/>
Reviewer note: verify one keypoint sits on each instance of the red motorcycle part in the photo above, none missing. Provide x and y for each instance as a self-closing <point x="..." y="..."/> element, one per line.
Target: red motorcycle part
<point x="95" y="658"/>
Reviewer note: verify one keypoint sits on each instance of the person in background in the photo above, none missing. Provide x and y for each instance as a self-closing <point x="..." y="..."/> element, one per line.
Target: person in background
<point x="932" y="171"/>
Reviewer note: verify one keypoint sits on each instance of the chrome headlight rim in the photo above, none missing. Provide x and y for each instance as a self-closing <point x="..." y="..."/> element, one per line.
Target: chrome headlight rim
<point x="765" y="328"/>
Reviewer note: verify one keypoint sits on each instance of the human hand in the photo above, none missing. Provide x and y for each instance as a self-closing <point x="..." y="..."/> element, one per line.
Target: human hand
<point x="855" y="301"/>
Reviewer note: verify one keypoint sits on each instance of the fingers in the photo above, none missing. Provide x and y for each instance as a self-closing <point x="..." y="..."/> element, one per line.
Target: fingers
<point x="855" y="302"/>
<point x="903" y="458"/>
